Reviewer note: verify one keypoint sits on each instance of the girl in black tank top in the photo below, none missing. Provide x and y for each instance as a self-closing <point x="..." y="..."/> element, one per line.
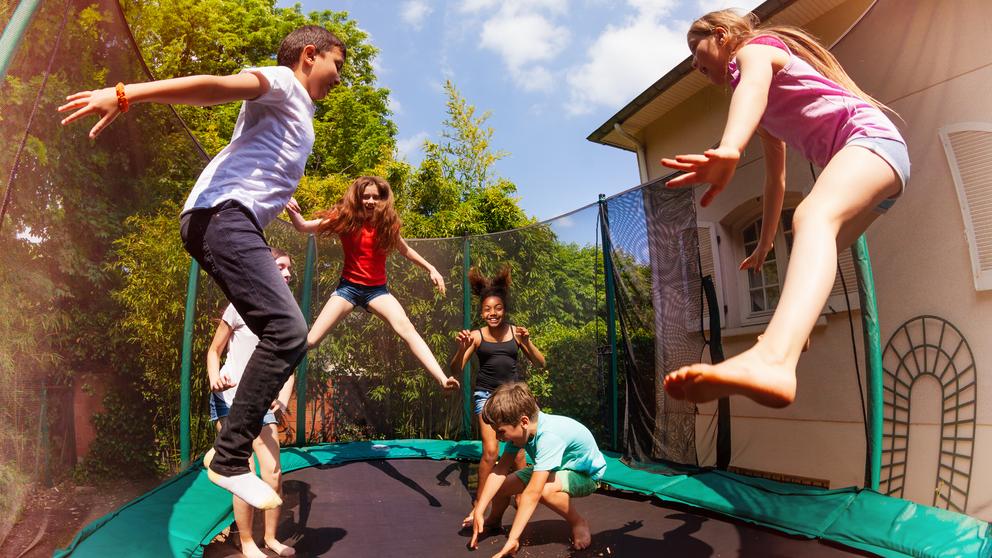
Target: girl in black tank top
<point x="498" y="345"/>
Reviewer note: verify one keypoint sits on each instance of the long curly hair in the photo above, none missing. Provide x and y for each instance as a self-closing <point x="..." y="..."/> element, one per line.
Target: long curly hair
<point x="498" y="285"/>
<point x="349" y="215"/>
<point x="742" y="28"/>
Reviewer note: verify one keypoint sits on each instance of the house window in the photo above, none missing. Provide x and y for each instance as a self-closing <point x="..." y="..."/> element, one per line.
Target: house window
<point x="764" y="286"/>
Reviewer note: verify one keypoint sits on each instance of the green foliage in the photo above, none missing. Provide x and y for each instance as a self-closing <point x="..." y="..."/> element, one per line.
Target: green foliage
<point x="93" y="275"/>
<point x="455" y="192"/>
<point x="127" y="448"/>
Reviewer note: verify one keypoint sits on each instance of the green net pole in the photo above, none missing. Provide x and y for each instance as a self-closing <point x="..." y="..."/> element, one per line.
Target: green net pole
<point x="611" y="322"/>
<point x="303" y="368"/>
<point x="187" y="361"/>
<point x="873" y="360"/>
<point x="14" y="32"/>
<point x="466" y="324"/>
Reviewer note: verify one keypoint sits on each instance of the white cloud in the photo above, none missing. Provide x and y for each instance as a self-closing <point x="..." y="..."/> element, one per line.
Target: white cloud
<point x="406" y="147"/>
<point x="638" y="55"/>
<point x="526" y="39"/>
<point x="394" y="105"/>
<point x="624" y="60"/>
<point x="414" y="12"/>
<point x="477" y="6"/>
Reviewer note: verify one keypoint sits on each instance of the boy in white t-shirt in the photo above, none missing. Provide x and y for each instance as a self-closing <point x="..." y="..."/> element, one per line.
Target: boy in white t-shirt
<point x="234" y="336"/>
<point x="239" y="192"/>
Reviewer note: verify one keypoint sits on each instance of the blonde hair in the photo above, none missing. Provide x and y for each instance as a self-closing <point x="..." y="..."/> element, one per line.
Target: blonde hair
<point x="742" y="28"/>
<point x="508" y="404"/>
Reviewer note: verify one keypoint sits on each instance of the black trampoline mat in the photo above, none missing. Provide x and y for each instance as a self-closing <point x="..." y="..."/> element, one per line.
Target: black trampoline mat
<point x="414" y="508"/>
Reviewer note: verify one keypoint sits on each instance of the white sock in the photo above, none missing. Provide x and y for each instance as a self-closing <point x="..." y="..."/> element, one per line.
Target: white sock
<point x="246" y="486"/>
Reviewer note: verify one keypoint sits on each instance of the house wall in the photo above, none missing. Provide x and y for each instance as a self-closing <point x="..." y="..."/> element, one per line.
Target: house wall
<point x="923" y="59"/>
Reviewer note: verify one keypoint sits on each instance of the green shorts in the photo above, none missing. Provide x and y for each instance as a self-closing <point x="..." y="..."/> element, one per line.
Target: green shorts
<point x="573" y="483"/>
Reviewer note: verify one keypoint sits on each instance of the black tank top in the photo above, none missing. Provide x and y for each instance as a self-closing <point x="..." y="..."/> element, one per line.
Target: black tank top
<point x="497" y="363"/>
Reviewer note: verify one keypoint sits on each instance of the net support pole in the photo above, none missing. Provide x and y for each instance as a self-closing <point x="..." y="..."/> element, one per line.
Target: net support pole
<point x="14" y="32"/>
<point x="301" y="371"/>
<point x="187" y="360"/>
<point x="466" y="324"/>
<point x="611" y="322"/>
<point x="873" y="360"/>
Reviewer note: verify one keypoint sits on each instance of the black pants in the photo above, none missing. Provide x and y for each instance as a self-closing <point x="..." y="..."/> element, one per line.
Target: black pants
<point x="231" y="248"/>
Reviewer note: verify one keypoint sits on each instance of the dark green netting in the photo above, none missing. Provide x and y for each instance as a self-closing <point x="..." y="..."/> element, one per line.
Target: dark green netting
<point x="187" y="511"/>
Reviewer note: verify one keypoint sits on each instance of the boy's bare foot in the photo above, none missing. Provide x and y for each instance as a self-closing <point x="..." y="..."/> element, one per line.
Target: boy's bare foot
<point x="581" y="537"/>
<point x="250" y="550"/>
<point x="246" y="486"/>
<point x="752" y="374"/>
<point x="279" y="548"/>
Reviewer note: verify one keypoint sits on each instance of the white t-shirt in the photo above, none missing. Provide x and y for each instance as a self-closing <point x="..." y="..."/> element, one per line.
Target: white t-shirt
<point x="240" y="346"/>
<point x="264" y="162"/>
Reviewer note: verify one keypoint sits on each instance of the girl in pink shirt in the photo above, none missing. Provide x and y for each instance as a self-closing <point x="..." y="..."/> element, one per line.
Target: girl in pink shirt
<point x="791" y="91"/>
<point x="366" y="221"/>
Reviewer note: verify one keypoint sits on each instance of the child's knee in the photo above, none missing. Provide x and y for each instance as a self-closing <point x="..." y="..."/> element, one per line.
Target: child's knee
<point x="490" y="456"/>
<point x="273" y="478"/>
<point x="297" y="333"/>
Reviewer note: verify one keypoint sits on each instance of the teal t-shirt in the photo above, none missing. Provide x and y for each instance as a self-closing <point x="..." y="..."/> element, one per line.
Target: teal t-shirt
<point x="563" y="443"/>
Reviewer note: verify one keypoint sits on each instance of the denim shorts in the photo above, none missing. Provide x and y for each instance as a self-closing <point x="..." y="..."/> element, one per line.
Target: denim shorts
<point x="893" y="152"/>
<point x="219" y="410"/>
<point x="359" y="295"/>
<point x="573" y="483"/>
<point x="479" y="398"/>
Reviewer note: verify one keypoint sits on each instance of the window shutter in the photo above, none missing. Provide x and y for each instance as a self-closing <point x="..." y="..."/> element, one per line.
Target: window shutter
<point x="968" y="147"/>
<point x="709" y="256"/>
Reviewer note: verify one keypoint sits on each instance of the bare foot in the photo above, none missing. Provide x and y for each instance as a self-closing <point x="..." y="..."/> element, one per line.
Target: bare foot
<point x="279" y="548"/>
<point x="250" y="550"/>
<point x="805" y="345"/>
<point x="752" y="374"/>
<point x="581" y="537"/>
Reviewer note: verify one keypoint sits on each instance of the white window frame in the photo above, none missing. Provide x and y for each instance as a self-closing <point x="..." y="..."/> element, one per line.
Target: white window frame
<point x="982" y="278"/>
<point x="746" y="315"/>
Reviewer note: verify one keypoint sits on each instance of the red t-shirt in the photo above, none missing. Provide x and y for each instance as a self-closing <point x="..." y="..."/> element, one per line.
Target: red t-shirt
<point x="363" y="264"/>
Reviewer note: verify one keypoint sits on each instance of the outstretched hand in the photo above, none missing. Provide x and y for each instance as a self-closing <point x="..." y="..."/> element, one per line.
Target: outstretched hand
<point x="451" y="384"/>
<point x="478" y="526"/>
<point x="438" y="281"/>
<point x="465" y="340"/>
<point x="756" y="259"/>
<point x="222" y="382"/>
<point x="101" y="102"/>
<point x="523" y="334"/>
<point x="293" y="207"/>
<point x="714" y="167"/>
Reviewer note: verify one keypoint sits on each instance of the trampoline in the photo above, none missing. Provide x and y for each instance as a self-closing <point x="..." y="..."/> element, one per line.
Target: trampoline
<point x="389" y="497"/>
<point x="414" y="506"/>
<point x="611" y="290"/>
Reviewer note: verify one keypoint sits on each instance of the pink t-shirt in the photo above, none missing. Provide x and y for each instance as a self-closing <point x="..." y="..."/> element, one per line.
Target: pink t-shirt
<point x="812" y="113"/>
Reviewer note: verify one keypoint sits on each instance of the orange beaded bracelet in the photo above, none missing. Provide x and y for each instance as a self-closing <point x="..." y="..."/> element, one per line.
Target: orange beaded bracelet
<point x="121" y="97"/>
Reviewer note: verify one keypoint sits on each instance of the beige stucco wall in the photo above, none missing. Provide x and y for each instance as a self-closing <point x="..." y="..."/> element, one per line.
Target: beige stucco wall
<point x="924" y="58"/>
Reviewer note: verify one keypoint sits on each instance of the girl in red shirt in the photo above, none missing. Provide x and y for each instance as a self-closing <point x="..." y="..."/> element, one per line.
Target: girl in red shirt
<point x="369" y="227"/>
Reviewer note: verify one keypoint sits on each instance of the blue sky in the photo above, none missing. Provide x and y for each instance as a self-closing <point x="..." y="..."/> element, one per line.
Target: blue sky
<point x="549" y="71"/>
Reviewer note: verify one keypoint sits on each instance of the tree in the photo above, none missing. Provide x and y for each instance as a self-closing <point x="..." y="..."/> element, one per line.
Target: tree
<point x="455" y="191"/>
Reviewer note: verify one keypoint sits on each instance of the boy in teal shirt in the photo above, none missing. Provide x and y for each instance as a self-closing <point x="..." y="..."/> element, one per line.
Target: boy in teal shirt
<point x="567" y="464"/>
